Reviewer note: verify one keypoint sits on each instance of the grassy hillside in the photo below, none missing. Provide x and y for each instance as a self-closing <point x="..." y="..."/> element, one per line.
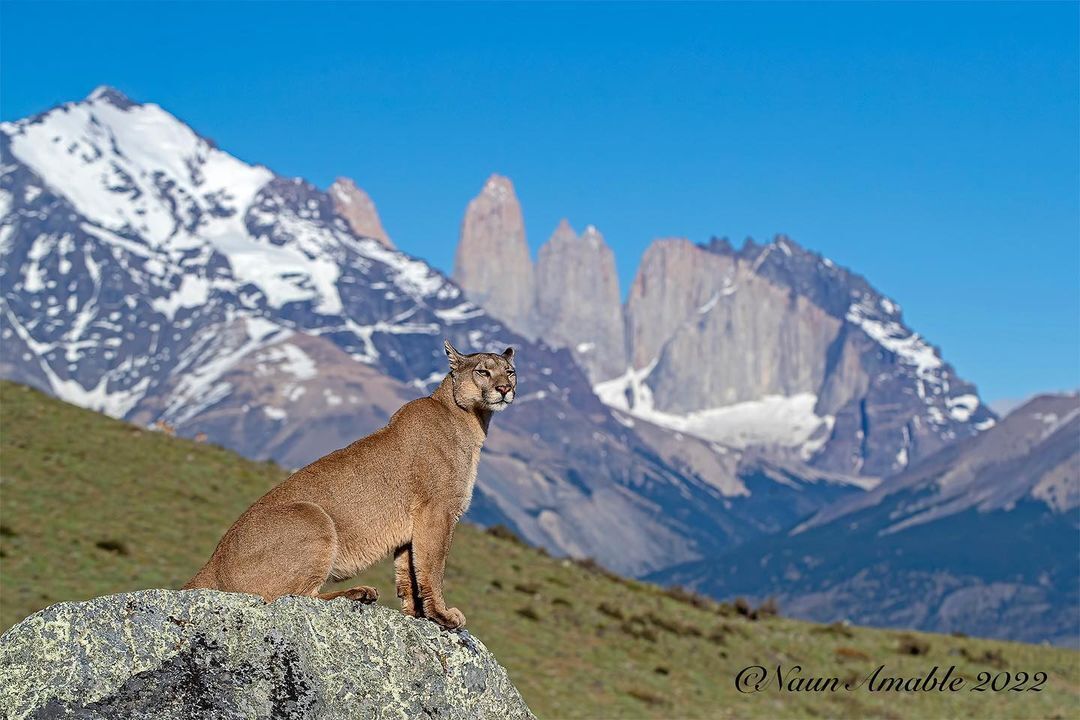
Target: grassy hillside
<point x="90" y="506"/>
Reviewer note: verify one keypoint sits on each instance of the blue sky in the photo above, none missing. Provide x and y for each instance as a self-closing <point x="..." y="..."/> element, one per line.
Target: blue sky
<point x="931" y="147"/>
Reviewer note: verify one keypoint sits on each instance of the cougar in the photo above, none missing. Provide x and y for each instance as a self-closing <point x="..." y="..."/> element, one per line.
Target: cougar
<point x="400" y="490"/>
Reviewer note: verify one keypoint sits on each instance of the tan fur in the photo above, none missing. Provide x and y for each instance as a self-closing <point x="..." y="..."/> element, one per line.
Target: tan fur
<point x="400" y="490"/>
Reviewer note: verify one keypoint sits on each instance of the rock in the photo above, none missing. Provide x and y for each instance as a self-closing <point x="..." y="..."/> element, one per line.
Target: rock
<point x="779" y="333"/>
<point x="717" y="333"/>
<point x="358" y="209"/>
<point x="492" y="263"/>
<point x="578" y="304"/>
<point x="204" y="654"/>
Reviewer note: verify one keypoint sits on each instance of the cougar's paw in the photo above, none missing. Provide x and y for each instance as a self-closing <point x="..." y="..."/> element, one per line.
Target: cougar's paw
<point x="449" y="619"/>
<point x="362" y="593"/>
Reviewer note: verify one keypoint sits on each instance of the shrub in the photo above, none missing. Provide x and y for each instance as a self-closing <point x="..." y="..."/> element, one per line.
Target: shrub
<point x="850" y="653"/>
<point x="993" y="658"/>
<point x="742" y="607"/>
<point x="838" y="628"/>
<point x="911" y="645"/>
<point x="646" y="697"/>
<point x="115" y="547"/>
<point x="769" y="608"/>
<point x="718" y="635"/>
<point x="504" y="533"/>
<point x="528" y="613"/>
<point x="611" y="611"/>
<point x="689" y="597"/>
<point x="635" y="628"/>
<point x="590" y="565"/>
<point x="673" y="626"/>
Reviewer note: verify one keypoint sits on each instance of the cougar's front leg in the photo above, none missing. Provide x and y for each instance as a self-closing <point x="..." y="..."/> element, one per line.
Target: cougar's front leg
<point x="405" y="580"/>
<point x="433" y="530"/>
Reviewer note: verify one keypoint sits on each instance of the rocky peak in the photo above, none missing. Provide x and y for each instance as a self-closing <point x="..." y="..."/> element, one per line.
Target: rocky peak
<point x="672" y="279"/>
<point x="500" y="188"/>
<point x="784" y="326"/>
<point x="111" y="95"/>
<point x="720" y="246"/>
<point x="564" y="232"/>
<point x="578" y="304"/>
<point x="358" y="210"/>
<point x="592" y="237"/>
<point x="492" y="263"/>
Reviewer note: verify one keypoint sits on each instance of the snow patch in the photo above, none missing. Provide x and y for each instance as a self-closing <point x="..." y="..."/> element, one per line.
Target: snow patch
<point x="773" y="420"/>
<point x="413" y="276"/>
<point x="962" y="407"/>
<point x="194" y="291"/>
<point x="290" y="360"/>
<point x="710" y="304"/>
<point x="460" y="313"/>
<point x="894" y="337"/>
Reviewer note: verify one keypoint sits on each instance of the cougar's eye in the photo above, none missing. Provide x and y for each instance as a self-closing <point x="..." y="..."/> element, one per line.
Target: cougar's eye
<point x="510" y="373"/>
<point x="482" y="373"/>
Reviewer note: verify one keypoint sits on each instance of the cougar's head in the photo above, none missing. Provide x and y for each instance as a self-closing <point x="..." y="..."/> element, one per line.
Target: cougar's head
<point x="482" y="380"/>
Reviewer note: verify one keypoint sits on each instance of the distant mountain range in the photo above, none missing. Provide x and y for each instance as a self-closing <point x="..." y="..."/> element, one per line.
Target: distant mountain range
<point x="770" y="345"/>
<point x="149" y="274"/>
<point x="979" y="538"/>
<point x="736" y="394"/>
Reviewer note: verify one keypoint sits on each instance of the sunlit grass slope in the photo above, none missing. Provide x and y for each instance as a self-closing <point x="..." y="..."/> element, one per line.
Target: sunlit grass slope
<point x="90" y="506"/>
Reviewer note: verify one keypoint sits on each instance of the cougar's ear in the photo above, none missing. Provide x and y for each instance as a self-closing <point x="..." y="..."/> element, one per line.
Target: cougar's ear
<point x="455" y="358"/>
<point x="508" y="353"/>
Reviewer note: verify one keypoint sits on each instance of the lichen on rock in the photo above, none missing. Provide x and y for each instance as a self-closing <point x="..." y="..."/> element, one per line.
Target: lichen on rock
<point x="167" y="654"/>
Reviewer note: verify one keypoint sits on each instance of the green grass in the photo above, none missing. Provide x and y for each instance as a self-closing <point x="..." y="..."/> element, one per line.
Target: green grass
<point x="90" y="506"/>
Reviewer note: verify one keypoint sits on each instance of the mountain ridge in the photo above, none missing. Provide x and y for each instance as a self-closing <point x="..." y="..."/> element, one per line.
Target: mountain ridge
<point x="151" y="275"/>
<point x="977" y="538"/>
<point x="805" y="353"/>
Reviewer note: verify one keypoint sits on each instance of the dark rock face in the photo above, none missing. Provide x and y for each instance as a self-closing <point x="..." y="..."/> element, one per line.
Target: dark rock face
<point x="978" y="538"/>
<point x="203" y="654"/>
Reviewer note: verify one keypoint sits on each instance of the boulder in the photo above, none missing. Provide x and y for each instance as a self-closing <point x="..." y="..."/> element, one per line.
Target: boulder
<point x="166" y="654"/>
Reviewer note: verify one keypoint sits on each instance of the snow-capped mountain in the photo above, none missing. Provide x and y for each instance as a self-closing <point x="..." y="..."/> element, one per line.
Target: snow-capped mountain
<point x="146" y="273"/>
<point x="778" y="346"/>
<point x="769" y="346"/>
<point x="979" y="538"/>
<point x="131" y="244"/>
